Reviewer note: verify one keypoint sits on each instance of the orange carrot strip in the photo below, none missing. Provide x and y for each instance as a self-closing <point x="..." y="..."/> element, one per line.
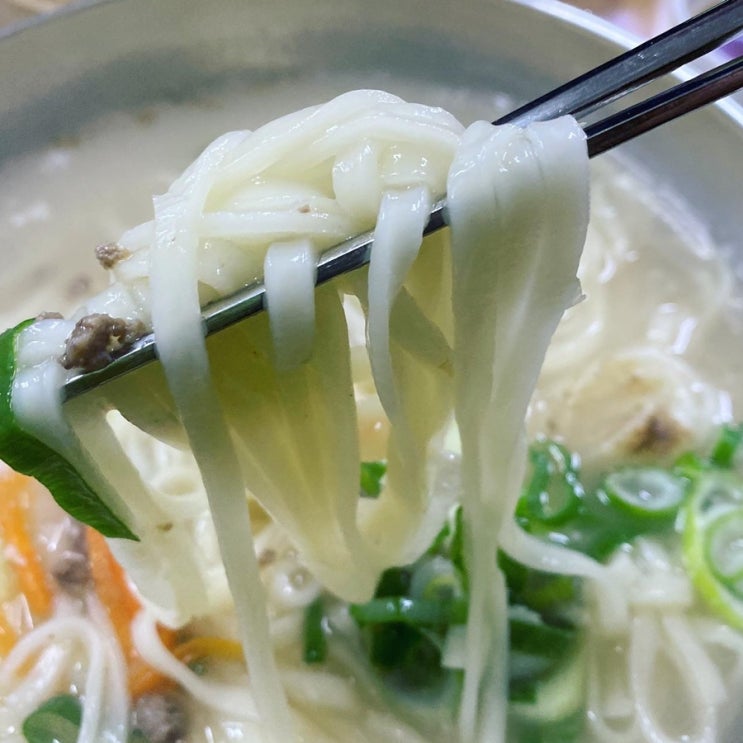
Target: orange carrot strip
<point x="144" y="679"/>
<point x="8" y="636"/>
<point x="208" y="647"/>
<point x="122" y="606"/>
<point x="147" y="680"/>
<point x="113" y="590"/>
<point x="19" y="547"/>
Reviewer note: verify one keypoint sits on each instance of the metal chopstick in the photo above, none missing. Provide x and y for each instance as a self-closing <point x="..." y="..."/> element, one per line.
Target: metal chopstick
<point x="664" y="107"/>
<point x="629" y="71"/>
<point x="635" y="68"/>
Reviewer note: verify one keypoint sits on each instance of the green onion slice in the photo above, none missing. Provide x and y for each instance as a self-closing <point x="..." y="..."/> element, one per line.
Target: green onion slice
<point x="645" y="492"/>
<point x="713" y="542"/>
<point x="554" y="491"/>
<point x="727" y="445"/>
<point x="724" y="550"/>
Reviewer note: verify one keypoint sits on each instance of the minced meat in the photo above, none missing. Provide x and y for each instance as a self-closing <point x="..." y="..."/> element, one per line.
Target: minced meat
<point x="110" y="254"/>
<point x="161" y="717"/>
<point x="97" y="340"/>
<point x="70" y="566"/>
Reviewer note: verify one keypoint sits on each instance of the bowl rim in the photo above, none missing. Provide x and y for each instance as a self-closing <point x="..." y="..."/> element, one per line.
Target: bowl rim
<point x="562" y="11"/>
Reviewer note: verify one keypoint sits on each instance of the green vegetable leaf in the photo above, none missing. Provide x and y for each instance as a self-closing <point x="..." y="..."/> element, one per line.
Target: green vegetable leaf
<point x="372" y="474"/>
<point x="56" y="721"/>
<point x="26" y="454"/>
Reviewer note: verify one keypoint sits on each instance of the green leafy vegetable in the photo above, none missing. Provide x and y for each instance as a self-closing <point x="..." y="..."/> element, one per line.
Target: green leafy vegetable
<point x="28" y="455"/>
<point x="56" y="721"/>
<point x="315" y="642"/>
<point x="372" y="474"/>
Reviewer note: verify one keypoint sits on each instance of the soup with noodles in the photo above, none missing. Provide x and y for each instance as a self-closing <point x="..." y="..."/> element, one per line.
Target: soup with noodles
<point x="585" y="588"/>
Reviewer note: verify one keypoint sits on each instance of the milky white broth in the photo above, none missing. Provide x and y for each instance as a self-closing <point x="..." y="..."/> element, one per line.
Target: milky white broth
<point x="660" y="303"/>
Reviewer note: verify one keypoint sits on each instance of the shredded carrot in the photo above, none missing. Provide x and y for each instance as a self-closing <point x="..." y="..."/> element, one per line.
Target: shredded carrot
<point x="122" y="606"/>
<point x="19" y="548"/>
<point x="197" y="648"/>
<point x="8" y="636"/>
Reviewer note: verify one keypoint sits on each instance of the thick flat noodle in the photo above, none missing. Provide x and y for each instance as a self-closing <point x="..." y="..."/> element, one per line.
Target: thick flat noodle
<point x="518" y="205"/>
<point x="289" y="277"/>
<point x="298" y="442"/>
<point x="177" y="326"/>
<point x="397" y="239"/>
<point x="267" y="407"/>
<point x="409" y="315"/>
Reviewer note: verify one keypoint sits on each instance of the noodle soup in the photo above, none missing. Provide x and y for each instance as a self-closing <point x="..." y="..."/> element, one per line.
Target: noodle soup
<point x="628" y="380"/>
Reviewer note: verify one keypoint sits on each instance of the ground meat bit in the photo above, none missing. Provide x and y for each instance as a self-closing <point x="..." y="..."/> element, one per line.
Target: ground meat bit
<point x="97" y="340"/>
<point x="267" y="557"/>
<point x="70" y="566"/>
<point x="161" y="717"/>
<point x="110" y="254"/>
<point x="658" y="435"/>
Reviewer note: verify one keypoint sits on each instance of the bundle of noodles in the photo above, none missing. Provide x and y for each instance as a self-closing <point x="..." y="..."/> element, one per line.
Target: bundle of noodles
<point x="267" y="407"/>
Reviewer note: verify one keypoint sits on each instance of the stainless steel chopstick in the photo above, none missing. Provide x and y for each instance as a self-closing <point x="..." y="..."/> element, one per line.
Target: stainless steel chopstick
<point x="596" y="88"/>
<point x="629" y="71"/>
<point x="664" y="107"/>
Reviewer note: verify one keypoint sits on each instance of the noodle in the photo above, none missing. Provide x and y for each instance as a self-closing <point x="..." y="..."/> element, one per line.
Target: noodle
<point x="236" y="460"/>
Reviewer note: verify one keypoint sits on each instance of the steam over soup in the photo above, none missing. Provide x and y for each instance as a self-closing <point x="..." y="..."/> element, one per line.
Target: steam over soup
<point x="377" y="511"/>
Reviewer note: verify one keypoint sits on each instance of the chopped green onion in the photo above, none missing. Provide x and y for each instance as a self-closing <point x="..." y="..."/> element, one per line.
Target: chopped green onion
<point x="714" y="492"/>
<point x="539" y="639"/>
<point x="727" y="445"/>
<point x="645" y="492"/>
<point x="553" y="709"/>
<point x="435" y="578"/>
<point x="410" y="611"/>
<point x="554" y="491"/>
<point x="409" y="657"/>
<point x="552" y="596"/>
<point x="724" y="550"/>
<point x="394" y="582"/>
<point x="372" y="474"/>
<point x="712" y="539"/>
<point x="315" y="642"/>
<point x="57" y="720"/>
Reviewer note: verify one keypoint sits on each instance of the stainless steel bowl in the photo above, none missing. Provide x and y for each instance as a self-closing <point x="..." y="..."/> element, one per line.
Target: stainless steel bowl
<point x="62" y="72"/>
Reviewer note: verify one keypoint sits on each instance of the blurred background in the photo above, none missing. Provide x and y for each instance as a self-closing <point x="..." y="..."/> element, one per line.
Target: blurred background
<point x="642" y="17"/>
